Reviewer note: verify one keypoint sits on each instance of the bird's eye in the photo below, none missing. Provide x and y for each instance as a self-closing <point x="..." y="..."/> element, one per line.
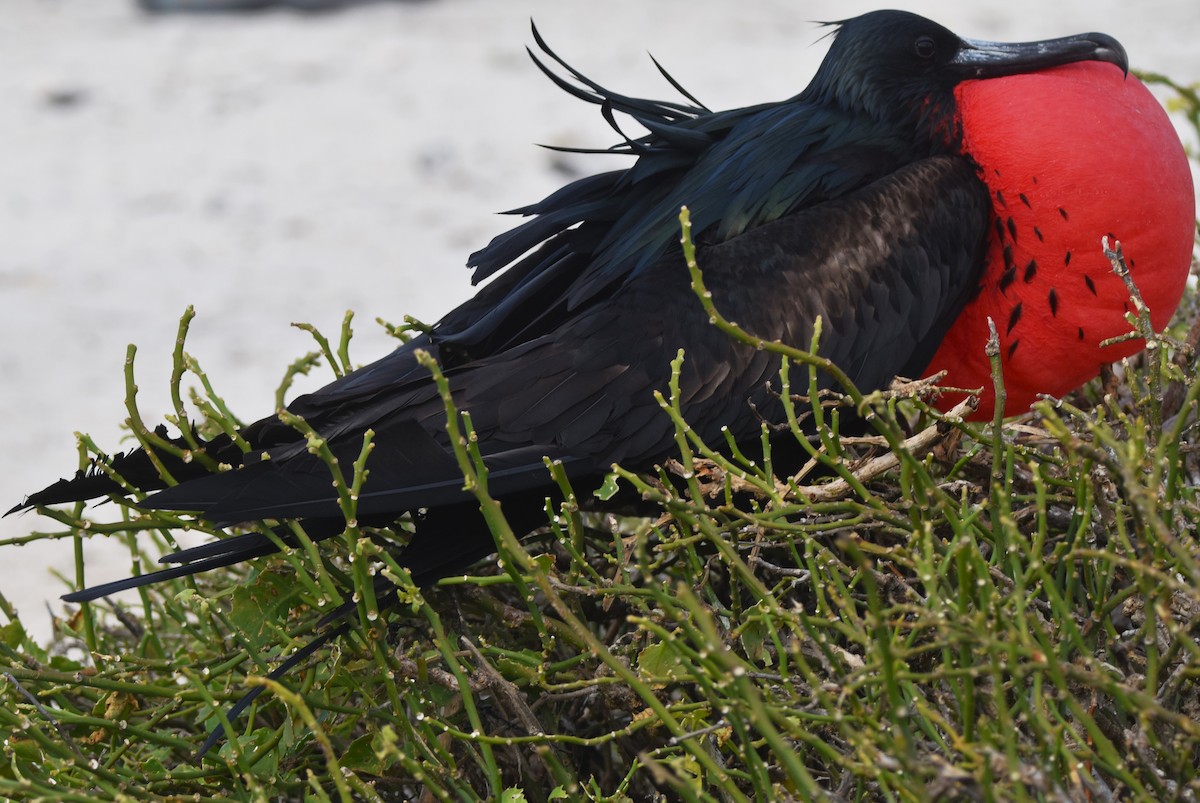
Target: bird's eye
<point x="925" y="47"/>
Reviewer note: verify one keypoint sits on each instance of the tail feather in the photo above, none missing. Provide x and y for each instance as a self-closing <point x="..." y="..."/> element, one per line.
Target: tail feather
<point x="184" y="570"/>
<point x="447" y="540"/>
<point x="317" y="530"/>
<point x="223" y="546"/>
<point x="136" y="468"/>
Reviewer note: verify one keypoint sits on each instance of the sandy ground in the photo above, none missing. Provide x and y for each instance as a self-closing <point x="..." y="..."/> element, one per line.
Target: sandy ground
<point x="279" y="167"/>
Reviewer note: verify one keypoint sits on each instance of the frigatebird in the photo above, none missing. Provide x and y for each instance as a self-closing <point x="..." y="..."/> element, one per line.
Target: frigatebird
<point x="877" y="199"/>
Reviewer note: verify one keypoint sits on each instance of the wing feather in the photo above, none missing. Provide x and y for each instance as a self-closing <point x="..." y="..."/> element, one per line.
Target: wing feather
<point x="887" y="268"/>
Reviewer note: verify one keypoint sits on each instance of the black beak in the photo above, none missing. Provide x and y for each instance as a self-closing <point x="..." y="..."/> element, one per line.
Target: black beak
<point x="978" y="59"/>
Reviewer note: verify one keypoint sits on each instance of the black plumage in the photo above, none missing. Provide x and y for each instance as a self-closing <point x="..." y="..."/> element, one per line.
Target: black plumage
<point x="851" y="201"/>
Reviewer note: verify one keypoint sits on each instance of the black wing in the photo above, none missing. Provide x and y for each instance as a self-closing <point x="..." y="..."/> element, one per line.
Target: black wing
<point x="887" y="268"/>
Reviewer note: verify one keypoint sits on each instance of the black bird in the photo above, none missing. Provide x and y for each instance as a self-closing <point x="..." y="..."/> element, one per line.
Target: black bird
<point x="852" y="201"/>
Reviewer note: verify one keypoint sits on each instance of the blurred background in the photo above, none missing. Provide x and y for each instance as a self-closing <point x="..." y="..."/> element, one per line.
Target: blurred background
<point x="284" y="164"/>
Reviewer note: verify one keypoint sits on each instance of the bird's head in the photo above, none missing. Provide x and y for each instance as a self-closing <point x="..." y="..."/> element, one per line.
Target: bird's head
<point x="898" y="67"/>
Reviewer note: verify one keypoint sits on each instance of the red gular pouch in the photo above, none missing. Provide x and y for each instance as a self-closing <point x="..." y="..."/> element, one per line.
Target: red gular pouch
<point x="1070" y="155"/>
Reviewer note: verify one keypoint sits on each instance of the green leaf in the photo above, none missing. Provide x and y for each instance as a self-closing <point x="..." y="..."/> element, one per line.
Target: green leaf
<point x="258" y="608"/>
<point x="661" y="664"/>
<point x="362" y="755"/>
<point x="754" y="635"/>
<point x="608" y="489"/>
<point x="12" y="634"/>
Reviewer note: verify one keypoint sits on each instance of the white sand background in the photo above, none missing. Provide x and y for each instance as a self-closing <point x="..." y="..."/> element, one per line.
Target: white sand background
<point x="281" y="167"/>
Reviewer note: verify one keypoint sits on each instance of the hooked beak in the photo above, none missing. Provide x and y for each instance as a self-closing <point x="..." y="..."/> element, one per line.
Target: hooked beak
<point x="978" y="59"/>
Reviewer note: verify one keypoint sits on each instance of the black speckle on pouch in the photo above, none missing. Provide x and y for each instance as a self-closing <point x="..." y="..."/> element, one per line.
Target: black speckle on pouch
<point x="1013" y="347"/>
<point x="1030" y="271"/>
<point x="1053" y="298"/>
<point x="1013" y="318"/>
<point x="1012" y="229"/>
<point x="1064" y="214"/>
<point x="1008" y="277"/>
<point x="1024" y="200"/>
<point x="1091" y="285"/>
<point x="1038" y="233"/>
